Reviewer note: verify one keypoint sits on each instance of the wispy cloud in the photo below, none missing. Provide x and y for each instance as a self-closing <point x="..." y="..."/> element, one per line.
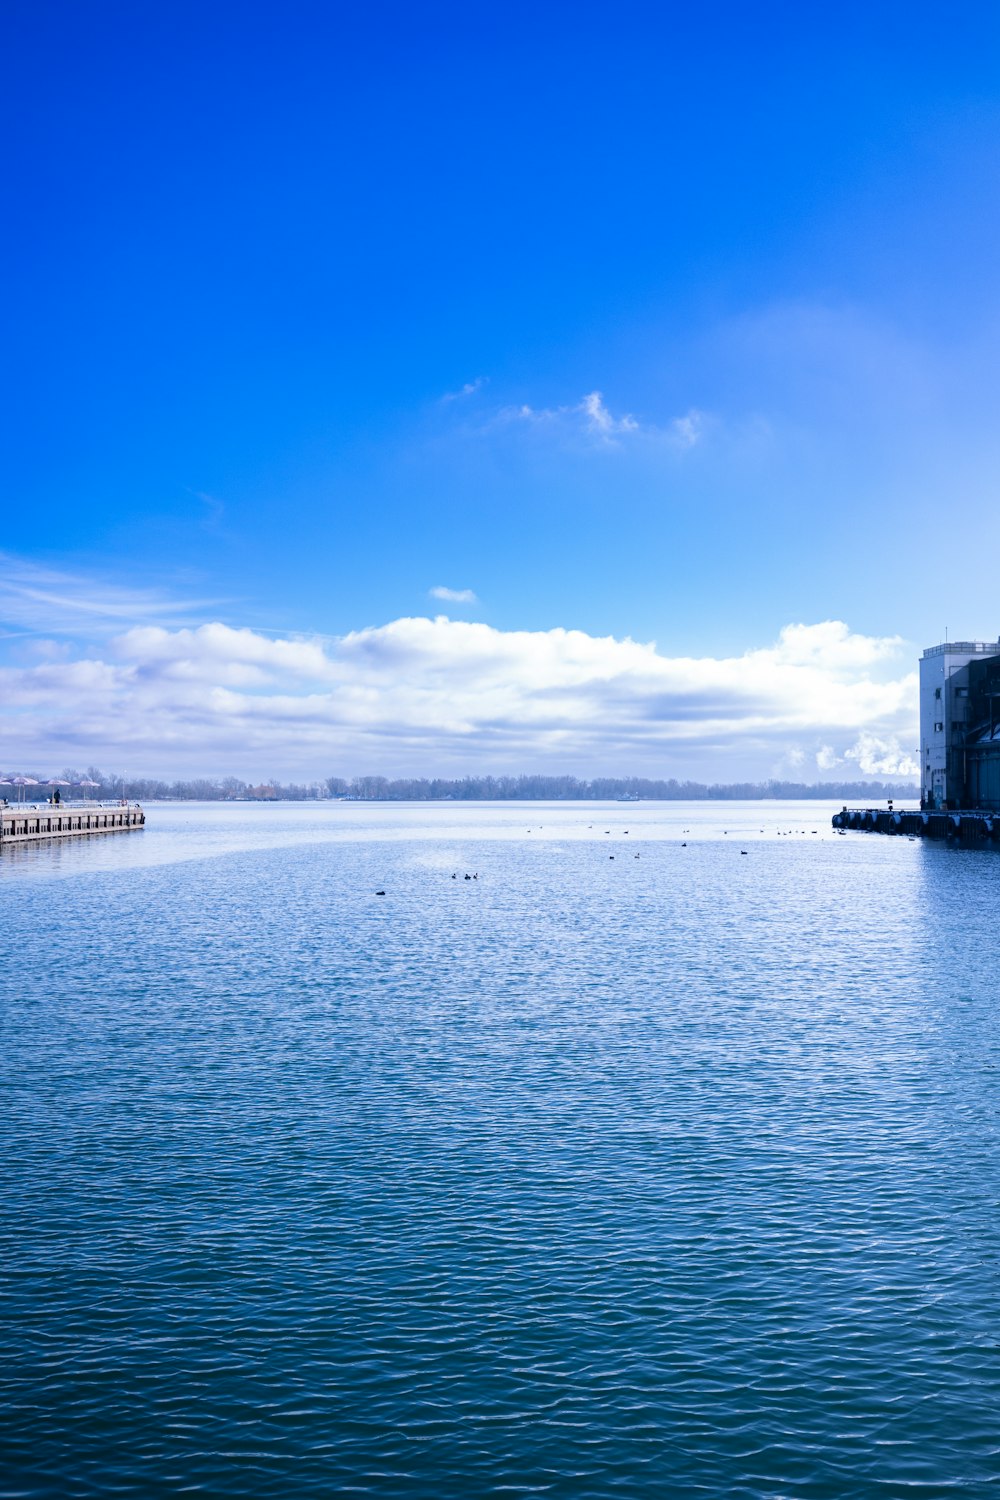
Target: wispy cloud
<point x="35" y="598"/>
<point x="592" y="418"/>
<point x="589" y="415"/>
<point x="470" y="388"/>
<point x="453" y="596"/>
<point x="600" y="421"/>
<point x="421" y="694"/>
<point x="215" y="510"/>
<point x="689" y="429"/>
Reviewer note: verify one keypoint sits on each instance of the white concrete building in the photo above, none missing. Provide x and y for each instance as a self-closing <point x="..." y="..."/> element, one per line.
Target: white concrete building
<point x="959" y="748"/>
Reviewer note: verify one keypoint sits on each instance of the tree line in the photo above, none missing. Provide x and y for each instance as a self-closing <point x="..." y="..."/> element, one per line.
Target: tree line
<point x="110" y="785"/>
<point x="602" y="789"/>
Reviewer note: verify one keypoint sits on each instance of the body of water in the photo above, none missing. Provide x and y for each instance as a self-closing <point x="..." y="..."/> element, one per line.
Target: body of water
<point x="659" y="1159"/>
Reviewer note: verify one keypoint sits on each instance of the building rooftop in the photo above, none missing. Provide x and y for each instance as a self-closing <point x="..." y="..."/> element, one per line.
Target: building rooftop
<point x="968" y="648"/>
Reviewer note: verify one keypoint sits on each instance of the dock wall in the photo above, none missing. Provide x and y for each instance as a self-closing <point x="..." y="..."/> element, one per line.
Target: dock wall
<point x="20" y="825"/>
<point x="958" y="827"/>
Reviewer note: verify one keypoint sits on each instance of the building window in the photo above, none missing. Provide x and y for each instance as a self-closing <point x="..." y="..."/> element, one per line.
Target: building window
<point x="937" y="692"/>
<point x="939" y="728"/>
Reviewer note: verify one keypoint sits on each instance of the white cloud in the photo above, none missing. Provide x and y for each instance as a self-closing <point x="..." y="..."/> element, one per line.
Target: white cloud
<point x="601" y="422"/>
<point x="591" y="417"/>
<point x="833" y="645"/>
<point x="525" y="413"/>
<point x="453" y="596"/>
<point x="418" y="695"/>
<point x="470" y="388"/>
<point x="689" y="429"/>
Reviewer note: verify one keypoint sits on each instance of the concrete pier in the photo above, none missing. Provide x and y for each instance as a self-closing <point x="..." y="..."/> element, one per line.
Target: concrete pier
<point x="21" y="825"/>
<point x="965" y="827"/>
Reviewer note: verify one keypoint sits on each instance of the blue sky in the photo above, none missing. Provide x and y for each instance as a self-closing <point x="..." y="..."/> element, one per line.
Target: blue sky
<point x="665" y="325"/>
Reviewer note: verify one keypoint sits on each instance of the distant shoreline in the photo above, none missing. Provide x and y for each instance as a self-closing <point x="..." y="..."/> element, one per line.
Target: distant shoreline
<point x="897" y="795"/>
<point x="105" y="786"/>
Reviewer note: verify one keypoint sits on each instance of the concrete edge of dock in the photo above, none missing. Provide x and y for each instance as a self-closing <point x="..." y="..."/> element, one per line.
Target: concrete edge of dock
<point x="22" y="825"/>
<point x="965" y="827"/>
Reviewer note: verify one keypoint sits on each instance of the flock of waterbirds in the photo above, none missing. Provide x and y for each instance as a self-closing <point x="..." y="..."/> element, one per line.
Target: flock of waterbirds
<point x="781" y="833"/>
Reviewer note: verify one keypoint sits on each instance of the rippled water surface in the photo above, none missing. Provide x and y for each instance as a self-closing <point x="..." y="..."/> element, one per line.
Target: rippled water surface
<point x="673" y="1173"/>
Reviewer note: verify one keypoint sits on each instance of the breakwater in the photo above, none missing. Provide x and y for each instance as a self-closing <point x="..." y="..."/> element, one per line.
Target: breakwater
<point x="19" y="825"/>
<point x="973" y="827"/>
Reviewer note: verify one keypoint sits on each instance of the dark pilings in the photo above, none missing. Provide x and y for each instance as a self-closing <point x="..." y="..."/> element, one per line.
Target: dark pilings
<point x="965" y="827"/>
